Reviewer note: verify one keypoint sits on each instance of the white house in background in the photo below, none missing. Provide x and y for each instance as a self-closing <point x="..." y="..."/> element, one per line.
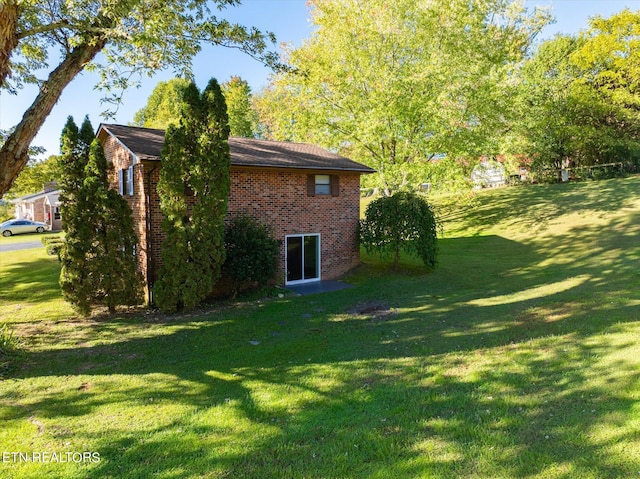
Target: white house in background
<point x="43" y="206"/>
<point x="489" y="174"/>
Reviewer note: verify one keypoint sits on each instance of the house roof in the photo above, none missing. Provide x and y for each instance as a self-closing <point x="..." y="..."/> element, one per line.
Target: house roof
<point x="146" y="144"/>
<point x="52" y="195"/>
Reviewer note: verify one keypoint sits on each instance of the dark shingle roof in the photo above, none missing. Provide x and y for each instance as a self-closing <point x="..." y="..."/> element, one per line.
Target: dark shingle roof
<point x="146" y="144"/>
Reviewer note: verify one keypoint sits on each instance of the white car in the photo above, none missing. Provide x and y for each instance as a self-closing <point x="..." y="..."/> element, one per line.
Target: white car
<point x="16" y="227"/>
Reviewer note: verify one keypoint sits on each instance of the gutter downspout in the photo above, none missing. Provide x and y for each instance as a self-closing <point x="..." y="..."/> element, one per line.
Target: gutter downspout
<point x="150" y="262"/>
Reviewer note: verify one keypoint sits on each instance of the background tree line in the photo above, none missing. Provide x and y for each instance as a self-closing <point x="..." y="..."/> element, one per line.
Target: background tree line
<point x="418" y="91"/>
<point x="420" y="94"/>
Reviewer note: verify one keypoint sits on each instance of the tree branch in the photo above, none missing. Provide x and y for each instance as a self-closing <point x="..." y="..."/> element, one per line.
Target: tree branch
<point x="14" y="151"/>
<point x="8" y="38"/>
<point x="47" y="29"/>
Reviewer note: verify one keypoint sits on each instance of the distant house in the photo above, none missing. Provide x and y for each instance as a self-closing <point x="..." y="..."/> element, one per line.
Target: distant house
<point x="489" y="174"/>
<point x="308" y="195"/>
<point x="43" y="206"/>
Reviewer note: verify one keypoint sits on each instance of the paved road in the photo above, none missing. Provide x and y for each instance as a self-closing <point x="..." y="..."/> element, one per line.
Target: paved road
<point x="19" y="246"/>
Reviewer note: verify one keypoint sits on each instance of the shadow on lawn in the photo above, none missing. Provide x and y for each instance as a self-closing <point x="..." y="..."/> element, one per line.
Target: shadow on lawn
<point x="38" y="280"/>
<point x="448" y="384"/>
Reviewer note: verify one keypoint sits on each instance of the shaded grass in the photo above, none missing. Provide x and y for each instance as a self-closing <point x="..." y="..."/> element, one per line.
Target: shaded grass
<point x="517" y="357"/>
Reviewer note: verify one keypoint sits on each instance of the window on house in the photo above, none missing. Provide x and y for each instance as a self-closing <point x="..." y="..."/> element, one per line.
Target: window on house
<point x="323" y="185"/>
<point x="125" y="181"/>
<point x="130" y="180"/>
<point x="56" y="213"/>
<point x="134" y="250"/>
<point x="122" y="179"/>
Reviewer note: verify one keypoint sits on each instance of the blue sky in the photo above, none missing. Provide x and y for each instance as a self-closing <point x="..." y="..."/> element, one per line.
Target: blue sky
<point x="288" y="19"/>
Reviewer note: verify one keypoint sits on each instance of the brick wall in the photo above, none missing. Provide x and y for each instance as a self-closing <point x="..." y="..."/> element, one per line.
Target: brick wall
<point x="122" y="159"/>
<point x="279" y="198"/>
<point x="38" y="210"/>
<point x="276" y="197"/>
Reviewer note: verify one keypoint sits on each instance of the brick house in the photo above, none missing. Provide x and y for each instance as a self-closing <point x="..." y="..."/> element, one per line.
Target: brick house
<point x="43" y="206"/>
<point x="308" y="195"/>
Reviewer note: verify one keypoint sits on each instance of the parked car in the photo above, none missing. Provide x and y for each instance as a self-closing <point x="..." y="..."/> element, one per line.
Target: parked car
<point x="16" y="227"/>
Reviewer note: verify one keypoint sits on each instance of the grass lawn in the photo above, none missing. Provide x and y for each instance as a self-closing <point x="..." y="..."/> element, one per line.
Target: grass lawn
<point x="519" y="356"/>
<point x="27" y="237"/>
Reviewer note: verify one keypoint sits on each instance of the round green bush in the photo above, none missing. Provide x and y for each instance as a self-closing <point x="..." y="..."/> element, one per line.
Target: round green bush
<point x="252" y="253"/>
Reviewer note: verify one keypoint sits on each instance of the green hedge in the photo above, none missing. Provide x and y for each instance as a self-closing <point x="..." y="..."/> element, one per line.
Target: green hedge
<point x="53" y="244"/>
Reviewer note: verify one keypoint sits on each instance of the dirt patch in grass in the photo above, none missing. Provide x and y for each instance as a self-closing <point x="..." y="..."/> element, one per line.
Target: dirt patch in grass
<point x="372" y="310"/>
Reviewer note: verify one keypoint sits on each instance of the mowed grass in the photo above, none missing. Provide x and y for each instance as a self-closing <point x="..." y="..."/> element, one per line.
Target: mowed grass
<point x="518" y="356"/>
<point x="29" y="290"/>
<point x="27" y="237"/>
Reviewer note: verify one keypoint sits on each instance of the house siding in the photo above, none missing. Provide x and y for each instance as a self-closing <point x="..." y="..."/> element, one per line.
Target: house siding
<point x="38" y="210"/>
<point x="277" y="197"/>
<point x="280" y="199"/>
<point x="39" y="207"/>
<point x="121" y="159"/>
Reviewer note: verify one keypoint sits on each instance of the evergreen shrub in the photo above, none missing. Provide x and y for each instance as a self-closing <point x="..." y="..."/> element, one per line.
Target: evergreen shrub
<point x="194" y="189"/>
<point x="252" y="253"/>
<point x="53" y="245"/>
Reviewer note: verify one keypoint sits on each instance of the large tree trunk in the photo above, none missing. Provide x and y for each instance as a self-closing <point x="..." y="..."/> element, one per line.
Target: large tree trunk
<point x="8" y="36"/>
<point x="14" y="152"/>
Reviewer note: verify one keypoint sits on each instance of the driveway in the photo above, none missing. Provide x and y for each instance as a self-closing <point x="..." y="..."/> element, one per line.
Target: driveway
<point x="19" y="246"/>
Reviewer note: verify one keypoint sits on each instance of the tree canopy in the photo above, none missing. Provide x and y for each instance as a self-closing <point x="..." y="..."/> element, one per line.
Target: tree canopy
<point x="242" y="117"/>
<point x="578" y="98"/>
<point x="611" y="59"/>
<point x="165" y="102"/>
<point x="163" y="105"/>
<point x="34" y="176"/>
<point x="393" y="83"/>
<point x="403" y="222"/>
<point x="134" y="37"/>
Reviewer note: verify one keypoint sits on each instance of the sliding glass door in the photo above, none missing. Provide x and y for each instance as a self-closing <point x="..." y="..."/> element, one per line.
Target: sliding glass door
<point x="303" y="258"/>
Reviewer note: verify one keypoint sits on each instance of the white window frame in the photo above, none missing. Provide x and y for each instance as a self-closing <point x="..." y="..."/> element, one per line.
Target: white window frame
<point x="130" y="180"/>
<point x="318" y="258"/>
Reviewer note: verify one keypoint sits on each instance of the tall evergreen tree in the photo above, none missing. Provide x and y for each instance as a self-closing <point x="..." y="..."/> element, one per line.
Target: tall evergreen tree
<point x="98" y="262"/>
<point x="113" y="267"/>
<point x="71" y="163"/>
<point x="74" y="276"/>
<point x="86" y="136"/>
<point x="194" y="190"/>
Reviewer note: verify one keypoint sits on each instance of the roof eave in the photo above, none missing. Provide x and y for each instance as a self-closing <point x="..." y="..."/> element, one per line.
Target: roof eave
<point x="135" y="159"/>
<point x="31" y="197"/>
<point x="306" y="168"/>
<point x="364" y="170"/>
